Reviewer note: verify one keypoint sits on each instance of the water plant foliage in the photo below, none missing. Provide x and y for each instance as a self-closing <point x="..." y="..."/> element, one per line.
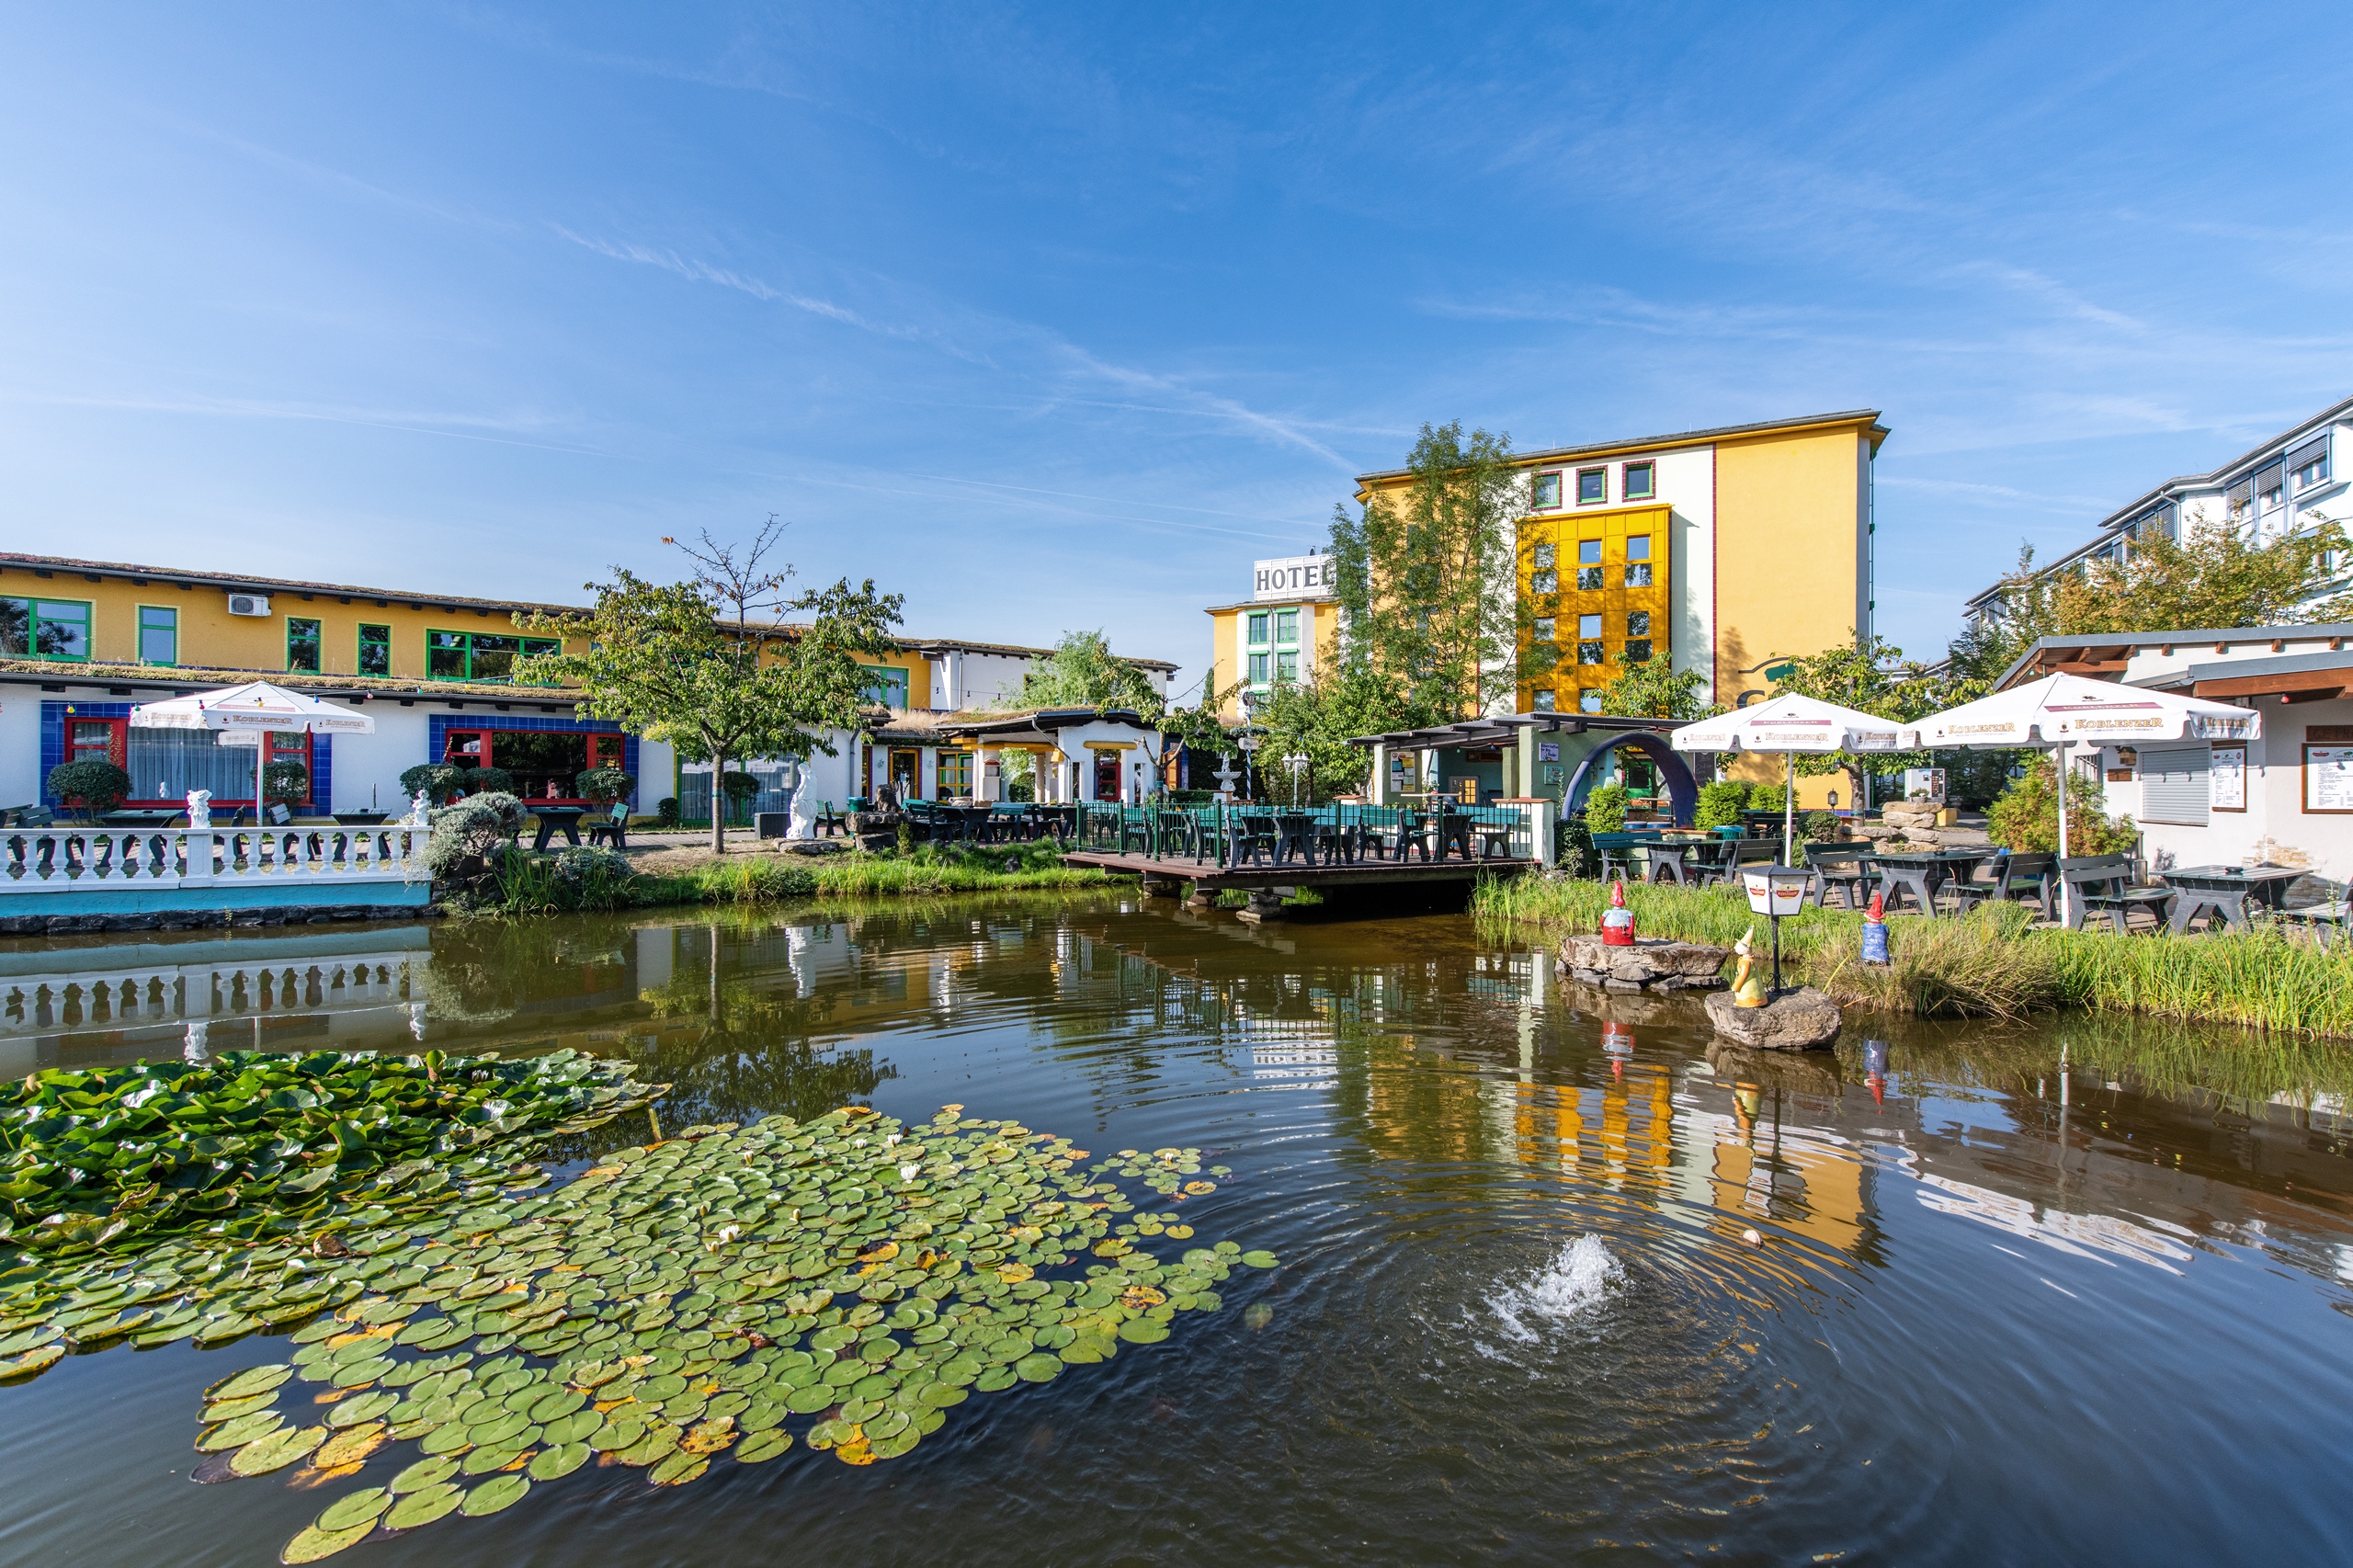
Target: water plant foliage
<point x="841" y="1282"/>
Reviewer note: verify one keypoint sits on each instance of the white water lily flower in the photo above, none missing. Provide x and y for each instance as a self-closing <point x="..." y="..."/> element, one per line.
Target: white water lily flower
<point x="907" y="1173"/>
<point x="892" y="1140"/>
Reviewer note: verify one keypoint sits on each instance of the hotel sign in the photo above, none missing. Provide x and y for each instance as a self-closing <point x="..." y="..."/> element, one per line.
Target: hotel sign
<point x="1293" y="577"/>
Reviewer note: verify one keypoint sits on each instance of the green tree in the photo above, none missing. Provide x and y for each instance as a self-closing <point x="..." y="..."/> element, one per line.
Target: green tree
<point x="1083" y="672"/>
<point x="1426" y="582"/>
<point x="2026" y="817"/>
<point x="709" y="666"/>
<point x="1654" y="690"/>
<point x="1317" y="720"/>
<point x="1874" y="677"/>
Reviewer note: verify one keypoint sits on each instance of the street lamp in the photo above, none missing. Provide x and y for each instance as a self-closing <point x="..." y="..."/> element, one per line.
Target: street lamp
<point x="1773" y="892"/>
<point x="1297" y="763"/>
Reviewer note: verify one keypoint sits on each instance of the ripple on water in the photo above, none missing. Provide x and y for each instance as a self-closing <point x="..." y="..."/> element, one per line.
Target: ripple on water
<point x="1580" y="1279"/>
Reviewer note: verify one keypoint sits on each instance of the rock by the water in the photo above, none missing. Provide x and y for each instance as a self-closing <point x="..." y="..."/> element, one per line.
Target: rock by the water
<point x="1802" y="1019"/>
<point x="1653" y="963"/>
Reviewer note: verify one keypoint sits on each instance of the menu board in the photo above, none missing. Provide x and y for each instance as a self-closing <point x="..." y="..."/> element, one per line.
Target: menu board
<point x="2226" y="779"/>
<point x="2328" y="779"/>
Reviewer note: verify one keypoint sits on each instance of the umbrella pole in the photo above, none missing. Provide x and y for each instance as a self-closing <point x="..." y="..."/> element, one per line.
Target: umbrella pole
<point x="1789" y="813"/>
<point x="2064" y="901"/>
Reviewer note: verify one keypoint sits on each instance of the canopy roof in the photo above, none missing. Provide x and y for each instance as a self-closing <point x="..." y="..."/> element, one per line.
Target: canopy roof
<point x="2064" y="709"/>
<point x="1790" y="724"/>
<point x="256" y="705"/>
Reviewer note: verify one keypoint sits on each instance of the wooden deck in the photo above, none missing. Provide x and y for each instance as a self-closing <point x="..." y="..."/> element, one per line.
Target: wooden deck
<point x="1296" y="874"/>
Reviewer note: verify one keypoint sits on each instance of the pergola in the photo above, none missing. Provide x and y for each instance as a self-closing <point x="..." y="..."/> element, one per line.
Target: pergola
<point x="1515" y="730"/>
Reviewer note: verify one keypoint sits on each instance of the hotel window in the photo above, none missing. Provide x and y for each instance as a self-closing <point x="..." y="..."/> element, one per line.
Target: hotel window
<point x="1588" y="626"/>
<point x="1593" y="487"/>
<point x="1544" y="582"/>
<point x="1638" y="623"/>
<point x="1547" y="491"/>
<point x="1641" y="481"/>
<point x="1588" y="565"/>
<point x="955" y="776"/>
<point x="1638" y="561"/>
<point x="45" y="629"/>
<point x="1545" y="554"/>
<point x="2310" y="464"/>
<point x="159" y="634"/>
<point x="2270" y="485"/>
<point x="1287" y="665"/>
<point x="1544" y="629"/>
<point x="1638" y="650"/>
<point x="301" y="644"/>
<point x="1286" y="627"/>
<point x="1259" y="631"/>
<point x="2236" y="499"/>
<point x="1259" y="669"/>
<point x="1589" y="653"/>
<point x="480" y="655"/>
<point x="886" y="686"/>
<point x="1542" y="700"/>
<point x="1589" y="701"/>
<point x="375" y="650"/>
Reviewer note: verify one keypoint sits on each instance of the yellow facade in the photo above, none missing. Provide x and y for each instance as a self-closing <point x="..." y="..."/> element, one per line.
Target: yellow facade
<point x="1605" y="572"/>
<point x="1316" y="646"/>
<point x="1792" y="551"/>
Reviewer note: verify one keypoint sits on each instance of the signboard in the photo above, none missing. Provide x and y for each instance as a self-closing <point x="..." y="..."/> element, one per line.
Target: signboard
<point x="2226" y="779"/>
<point x="1766" y="895"/>
<point x="2328" y="779"/>
<point x="1294" y="577"/>
<point x="1548" y="750"/>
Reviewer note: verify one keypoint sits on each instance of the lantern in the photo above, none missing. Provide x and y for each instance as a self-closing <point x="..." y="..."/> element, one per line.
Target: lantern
<point x="1773" y="892"/>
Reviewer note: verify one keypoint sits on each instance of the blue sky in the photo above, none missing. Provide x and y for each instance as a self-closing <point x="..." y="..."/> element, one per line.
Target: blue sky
<point x="1054" y="318"/>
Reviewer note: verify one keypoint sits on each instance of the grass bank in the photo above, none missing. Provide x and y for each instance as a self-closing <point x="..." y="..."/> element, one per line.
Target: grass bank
<point x="1987" y="964"/>
<point x="569" y="882"/>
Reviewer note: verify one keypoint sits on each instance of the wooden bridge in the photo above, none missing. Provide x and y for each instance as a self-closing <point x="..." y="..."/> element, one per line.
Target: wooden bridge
<point x="1359" y="882"/>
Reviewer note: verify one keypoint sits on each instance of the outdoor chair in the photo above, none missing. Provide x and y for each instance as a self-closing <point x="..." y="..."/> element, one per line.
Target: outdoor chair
<point x="1250" y="839"/>
<point x="1494" y="838"/>
<point x="1177" y="833"/>
<point x="2102" y="884"/>
<point x="613" y="828"/>
<point x="1294" y="834"/>
<point x="1839" y="866"/>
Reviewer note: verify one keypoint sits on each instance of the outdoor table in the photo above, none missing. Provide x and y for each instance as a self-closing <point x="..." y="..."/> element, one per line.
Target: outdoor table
<point x="1922" y="872"/>
<point x="1696" y="862"/>
<point x="357" y="819"/>
<point x="1249" y="835"/>
<point x="145" y="816"/>
<point x="1665" y="860"/>
<point x="2225" y="889"/>
<point x="554" y="817"/>
<point x="1294" y="831"/>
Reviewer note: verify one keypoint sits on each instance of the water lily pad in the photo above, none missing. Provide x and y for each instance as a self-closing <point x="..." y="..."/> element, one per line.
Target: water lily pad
<point x="359" y="1507"/>
<point x="763" y="1444"/>
<point x="809" y="1400"/>
<point x="253" y="1381"/>
<point x="422" y="1474"/>
<point x="483" y="1461"/>
<point x="1259" y="1259"/>
<point x="362" y="1408"/>
<point x="237" y="1433"/>
<point x="562" y="1402"/>
<point x="1144" y="1331"/>
<point x="276" y="1450"/>
<point x="497" y="1426"/>
<point x="993" y="1379"/>
<point x="678" y="1469"/>
<point x="576" y="1427"/>
<point x="552" y="1464"/>
<point x="490" y="1496"/>
<point x="349" y="1445"/>
<point x="358" y="1374"/>
<point x="423" y="1507"/>
<point x="314" y="1543"/>
<point x="230" y="1409"/>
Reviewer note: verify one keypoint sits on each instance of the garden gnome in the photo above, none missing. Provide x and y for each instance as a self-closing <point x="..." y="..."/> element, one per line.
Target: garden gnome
<point x="1875" y="1068"/>
<point x="1618" y="921"/>
<point x="1875" y="930"/>
<point x="1748" y="985"/>
<point x="1617" y="1043"/>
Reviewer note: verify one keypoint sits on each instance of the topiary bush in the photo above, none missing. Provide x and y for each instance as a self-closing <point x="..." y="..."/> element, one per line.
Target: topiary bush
<point x="487" y="781"/>
<point x="1721" y="803"/>
<point x="288" y="781"/>
<point x="1605" y="809"/>
<point x="465" y="835"/>
<point x="96" y="786"/>
<point x="437" y="780"/>
<point x="605" y="785"/>
<point x="665" y="811"/>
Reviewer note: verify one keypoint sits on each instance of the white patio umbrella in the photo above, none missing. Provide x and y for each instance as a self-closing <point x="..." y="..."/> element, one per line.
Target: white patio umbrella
<point x="1788" y="724"/>
<point x="2058" y="712"/>
<point x="252" y="709"/>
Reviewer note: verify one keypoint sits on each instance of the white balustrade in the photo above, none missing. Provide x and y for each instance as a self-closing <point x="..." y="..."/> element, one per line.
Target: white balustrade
<point x="61" y="859"/>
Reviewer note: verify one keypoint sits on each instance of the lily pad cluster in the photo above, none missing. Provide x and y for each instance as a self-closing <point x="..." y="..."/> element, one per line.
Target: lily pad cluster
<point x="841" y="1283"/>
<point x="108" y="1156"/>
<point x="1172" y="1172"/>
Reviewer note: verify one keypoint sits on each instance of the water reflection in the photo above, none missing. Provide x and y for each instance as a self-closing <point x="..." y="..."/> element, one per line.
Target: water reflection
<point x="1521" y="1288"/>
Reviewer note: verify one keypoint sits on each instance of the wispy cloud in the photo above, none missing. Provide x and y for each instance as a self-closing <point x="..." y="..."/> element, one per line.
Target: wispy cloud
<point x="457" y="427"/>
<point x="2063" y="300"/>
<point x="699" y="271"/>
<point x="1997" y="495"/>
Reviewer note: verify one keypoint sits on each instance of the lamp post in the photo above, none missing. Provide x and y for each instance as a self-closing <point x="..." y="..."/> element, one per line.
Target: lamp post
<point x="1297" y="763"/>
<point x="1773" y="892"/>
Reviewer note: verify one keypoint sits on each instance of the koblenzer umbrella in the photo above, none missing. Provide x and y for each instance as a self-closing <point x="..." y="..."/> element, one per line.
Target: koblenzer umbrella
<point x="1788" y="724"/>
<point x="2058" y="712"/>
<point x="254" y="709"/>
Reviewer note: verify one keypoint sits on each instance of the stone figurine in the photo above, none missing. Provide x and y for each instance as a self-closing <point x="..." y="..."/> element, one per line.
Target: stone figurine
<point x="199" y="808"/>
<point x="1748" y="985"/>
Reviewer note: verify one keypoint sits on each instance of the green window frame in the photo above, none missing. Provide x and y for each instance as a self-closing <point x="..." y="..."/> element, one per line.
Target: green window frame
<point x="1287" y="665"/>
<point x="886" y="685"/>
<point x="1258" y="629"/>
<point x="159" y="634"/>
<point x="375" y="649"/>
<point x="484" y="658"/>
<point x="301" y="644"/>
<point x="1259" y="669"/>
<point x="1641" y="482"/>
<point x="51" y="630"/>
<point x="1286" y="628"/>
<point x="1546" y="496"/>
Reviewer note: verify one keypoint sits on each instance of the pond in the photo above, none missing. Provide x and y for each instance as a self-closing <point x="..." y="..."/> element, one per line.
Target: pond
<point x="2073" y="1292"/>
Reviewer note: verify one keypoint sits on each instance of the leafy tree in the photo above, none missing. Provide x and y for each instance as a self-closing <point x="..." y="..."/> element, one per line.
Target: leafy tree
<point x="1083" y="672"/>
<point x="1425" y="583"/>
<point x="1605" y="808"/>
<point x="605" y="784"/>
<point x="1317" y="720"/>
<point x="1653" y="690"/>
<point x="2026" y="817"/>
<point x="286" y="781"/>
<point x="1721" y="803"/>
<point x="707" y="664"/>
<point x="439" y="781"/>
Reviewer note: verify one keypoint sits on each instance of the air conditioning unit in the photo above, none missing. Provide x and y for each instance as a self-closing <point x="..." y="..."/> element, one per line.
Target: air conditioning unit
<point x="248" y="603"/>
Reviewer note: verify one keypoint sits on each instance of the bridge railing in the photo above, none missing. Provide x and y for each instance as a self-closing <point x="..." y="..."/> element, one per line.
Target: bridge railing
<point x="1252" y="834"/>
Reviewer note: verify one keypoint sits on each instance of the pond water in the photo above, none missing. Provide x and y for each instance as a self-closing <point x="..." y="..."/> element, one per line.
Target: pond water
<point x="2078" y="1292"/>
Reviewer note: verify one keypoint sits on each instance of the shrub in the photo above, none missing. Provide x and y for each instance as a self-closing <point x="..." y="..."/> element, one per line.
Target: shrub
<point x="464" y="834"/>
<point x="665" y="811"/>
<point x="437" y="780"/>
<point x="1768" y="797"/>
<point x="1820" y="827"/>
<point x="98" y="786"/>
<point x="487" y="781"/>
<point x="739" y="785"/>
<point x="2026" y="817"/>
<point x="605" y="784"/>
<point x="288" y="781"/>
<point x="1721" y="803"/>
<point x="589" y="876"/>
<point x="1605" y="809"/>
<point x="1575" y="848"/>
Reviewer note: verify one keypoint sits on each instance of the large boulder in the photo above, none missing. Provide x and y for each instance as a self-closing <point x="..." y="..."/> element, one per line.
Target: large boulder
<point x="1803" y="1020"/>
<point x="1653" y="963"/>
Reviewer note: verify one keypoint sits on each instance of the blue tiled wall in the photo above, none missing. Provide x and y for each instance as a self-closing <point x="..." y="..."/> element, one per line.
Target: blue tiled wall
<point x="53" y="748"/>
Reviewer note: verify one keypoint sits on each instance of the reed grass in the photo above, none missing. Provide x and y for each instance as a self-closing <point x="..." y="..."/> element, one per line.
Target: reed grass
<point x="529" y="885"/>
<point x="1990" y="962"/>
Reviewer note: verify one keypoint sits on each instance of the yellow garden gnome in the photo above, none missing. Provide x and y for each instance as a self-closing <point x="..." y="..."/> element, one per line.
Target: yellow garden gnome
<point x="1748" y="985"/>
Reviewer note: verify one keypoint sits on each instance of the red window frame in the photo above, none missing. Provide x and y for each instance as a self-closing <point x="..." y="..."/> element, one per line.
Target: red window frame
<point x="604" y="749"/>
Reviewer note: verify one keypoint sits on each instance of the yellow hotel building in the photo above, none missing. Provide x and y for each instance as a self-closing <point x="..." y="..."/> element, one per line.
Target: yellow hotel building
<point x="1724" y="551"/>
<point x="1287" y="629"/>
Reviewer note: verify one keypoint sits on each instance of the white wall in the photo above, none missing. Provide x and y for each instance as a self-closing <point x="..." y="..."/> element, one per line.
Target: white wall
<point x="20" y="742"/>
<point x="2275" y="827"/>
<point x="1686" y="482"/>
<point x="365" y="763"/>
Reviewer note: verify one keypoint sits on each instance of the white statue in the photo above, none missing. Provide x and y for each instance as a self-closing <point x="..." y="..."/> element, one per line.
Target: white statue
<point x="1225" y="776"/>
<point x="199" y="808"/>
<point x="417" y="807"/>
<point x="802" y="822"/>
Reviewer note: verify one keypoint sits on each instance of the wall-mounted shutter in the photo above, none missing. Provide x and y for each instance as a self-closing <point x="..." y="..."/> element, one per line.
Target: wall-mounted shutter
<point x="2315" y="447"/>
<point x="2174" y="788"/>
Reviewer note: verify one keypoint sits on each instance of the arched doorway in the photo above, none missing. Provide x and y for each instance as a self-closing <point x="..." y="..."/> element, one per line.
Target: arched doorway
<point x="1681" y="792"/>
